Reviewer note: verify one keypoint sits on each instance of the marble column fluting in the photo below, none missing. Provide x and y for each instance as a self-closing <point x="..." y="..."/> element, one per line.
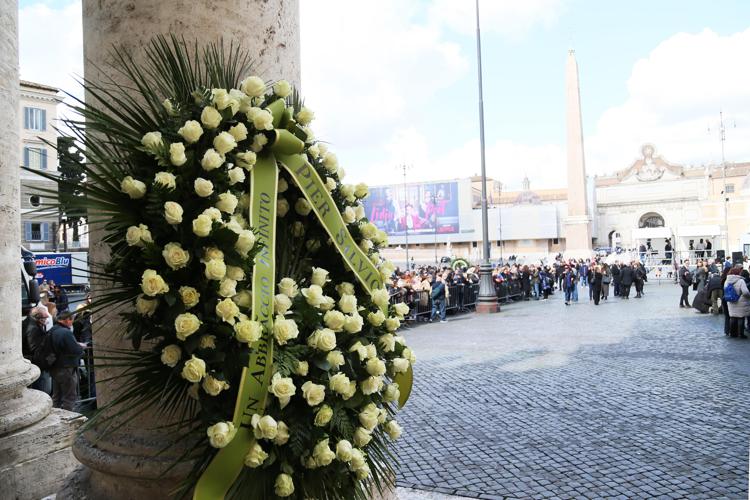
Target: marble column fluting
<point x="127" y="464"/>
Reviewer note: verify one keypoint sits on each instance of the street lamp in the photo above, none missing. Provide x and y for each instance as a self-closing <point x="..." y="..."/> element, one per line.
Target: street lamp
<point x="487" y="300"/>
<point x="404" y="167"/>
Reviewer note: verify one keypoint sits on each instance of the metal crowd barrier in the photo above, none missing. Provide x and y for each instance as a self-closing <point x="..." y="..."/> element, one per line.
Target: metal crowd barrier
<point x="460" y="298"/>
<point x="86" y="380"/>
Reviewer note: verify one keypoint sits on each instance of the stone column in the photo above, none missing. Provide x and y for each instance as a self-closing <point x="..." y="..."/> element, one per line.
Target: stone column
<point x="578" y="221"/>
<point x="124" y="464"/>
<point x="34" y="440"/>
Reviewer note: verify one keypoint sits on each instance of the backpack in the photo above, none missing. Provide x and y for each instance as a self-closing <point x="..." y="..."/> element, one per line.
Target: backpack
<point x="45" y="356"/>
<point x="730" y="293"/>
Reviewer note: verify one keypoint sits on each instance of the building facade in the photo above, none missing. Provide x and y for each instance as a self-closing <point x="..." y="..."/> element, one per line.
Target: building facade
<point x="645" y="203"/>
<point x="38" y="113"/>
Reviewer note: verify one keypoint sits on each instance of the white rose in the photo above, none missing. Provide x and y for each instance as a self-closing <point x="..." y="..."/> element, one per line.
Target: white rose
<point x="262" y="119"/>
<point x="215" y="269"/>
<point x="282" y="88"/>
<point x="360" y="350"/>
<point x="368" y="230"/>
<point x="400" y="365"/>
<point x="194" y="369"/>
<point x="347" y="191"/>
<point x="359" y="212"/>
<point x="145" y="307"/>
<point x="298" y="229"/>
<point x="253" y="86"/>
<point x="305" y="116"/>
<point x="177" y="154"/>
<point x="220" y="98"/>
<point x="345" y="288"/>
<point x="203" y="187"/>
<point x="392" y="324"/>
<point x="259" y="140"/>
<point x="344" y="450"/>
<point x="152" y="284"/>
<point x="175" y="256"/>
<point x="282" y="434"/>
<point x="339" y="383"/>
<point x="330" y="184"/>
<point x="236" y="273"/>
<point x="213" y="213"/>
<point x="256" y="456"/>
<point x="186" y="324"/>
<point x="210" y="117"/>
<point x="227" y="310"/>
<point x="227" y="202"/>
<point x="239" y="132"/>
<point x="334" y="320"/>
<point x="375" y="367"/>
<point x="361" y="191"/>
<point x="284" y="330"/>
<point x="327" y="304"/>
<point x="372" y="351"/>
<point x="172" y="212"/>
<point x="264" y="427"/>
<point x="323" y="416"/>
<point x="171" y="355"/>
<point x="283" y="388"/>
<point x="322" y="454"/>
<point x="340" y="173"/>
<point x="376" y="319"/>
<point x="387" y="342"/>
<point x="227" y="287"/>
<point x="283" y="185"/>
<point x="313" y="295"/>
<point x="236" y="175"/>
<point x="211" y="159"/>
<point x="214" y="386"/>
<point x="281" y="303"/>
<point x="288" y="287"/>
<point x="401" y="309"/>
<point x="314" y="394"/>
<point x="391" y="393"/>
<point x="243" y="299"/>
<point x="314" y="151"/>
<point x="202" y="225"/>
<point x="363" y="472"/>
<point x="168" y="107"/>
<point x="207" y="342"/>
<point x="151" y="141"/>
<point x="221" y="434"/>
<point x="302" y="368"/>
<point x="191" y="131"/>
<point x="393" y="429"/>
<point x="282" y="207"/>
<point x="368" y="417"/>
<point x="284" y="485"/>
<point x="348" y="303"/>
<point x="330" y="162"/>
<point x="323" y="339"/>
<point x="302" y="207"/>
<point x="319" y="276"/>
<point x="246" y="159"/>
<point x="381" y="238"/>
<point x="133" y="188"/>
<point x="165" y="179"/>
<point x="133" y="236"/>
<point x="354" y="323"/>
<point x="224" y="143"/>
<point x="212" y="253"/>
<point x="248" y="331"/>
<point x="348" y="215"/>
<point x="335" y="358"/>
<point x="245" y="242"/>
<point x="371" y="385"/>
<point x="362" y="437"/>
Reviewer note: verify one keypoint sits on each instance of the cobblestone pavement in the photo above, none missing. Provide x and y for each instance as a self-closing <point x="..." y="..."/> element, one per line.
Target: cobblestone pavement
<point x="631" y="399"/>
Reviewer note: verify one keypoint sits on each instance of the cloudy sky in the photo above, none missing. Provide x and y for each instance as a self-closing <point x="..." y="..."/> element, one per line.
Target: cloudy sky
<point x="394" y="82"/>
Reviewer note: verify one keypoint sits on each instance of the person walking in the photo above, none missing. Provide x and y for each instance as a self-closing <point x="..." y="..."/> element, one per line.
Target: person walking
<point x="639" y="278"/>
<point x="65" y="368"/>
<point x="606" y="280"/>
<point x="616" y="278"/>
<point x="569" y="284"/>
<point x="596" y="284"/>
<point x="626" y="280"/>
<point x="739" y="309"/>
<point x="685" y="278"/>
<point x="438" y="299"/>
<point x="32" y="341"/>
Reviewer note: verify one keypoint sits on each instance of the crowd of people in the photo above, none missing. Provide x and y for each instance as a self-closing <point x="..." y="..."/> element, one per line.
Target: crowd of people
<point x="55" y="338"/>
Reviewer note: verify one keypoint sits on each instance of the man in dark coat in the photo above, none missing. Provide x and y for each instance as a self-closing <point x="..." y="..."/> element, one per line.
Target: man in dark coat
<point x="65" y="369"/>
<point x="33" y="337"/>
<point x="626" y="279"/>
<point x="685" y="278"/>
<point x="639" y="277"/>
<point x="438" y="299"/>
<point x="616" y="277"/>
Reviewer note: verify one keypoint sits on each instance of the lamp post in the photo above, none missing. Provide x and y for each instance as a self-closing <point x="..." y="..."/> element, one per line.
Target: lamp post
<point x="406" y="219"/>
<point x="723" y="137"/>
<point x="487" y="300"/>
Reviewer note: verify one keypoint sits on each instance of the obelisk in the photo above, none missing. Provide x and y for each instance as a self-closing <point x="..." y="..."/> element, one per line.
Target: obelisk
<point x="578" y="221"/>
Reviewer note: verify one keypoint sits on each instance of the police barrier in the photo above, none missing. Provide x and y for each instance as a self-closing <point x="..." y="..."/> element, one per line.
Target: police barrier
<point x="459" y="298"/>
<point x="86" y="379"/>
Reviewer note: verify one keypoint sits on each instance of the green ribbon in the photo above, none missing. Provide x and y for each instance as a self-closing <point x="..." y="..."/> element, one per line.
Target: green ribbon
<point x="286" y="150"/>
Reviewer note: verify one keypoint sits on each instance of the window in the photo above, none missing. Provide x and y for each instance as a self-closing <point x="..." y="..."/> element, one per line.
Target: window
<point x="35" y="201"/>
<point x="555" y="241"/>
<point x="36" y="231"/>
<point x="473" y="244"/>
<point x="730" y="188"/>
<point x="35" y="157"/>
<point x="35" y="119"/>
<point x="651" y="219"/>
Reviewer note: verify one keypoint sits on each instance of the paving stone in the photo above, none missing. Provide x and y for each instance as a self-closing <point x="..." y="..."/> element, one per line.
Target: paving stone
<point x="631" y="399"/>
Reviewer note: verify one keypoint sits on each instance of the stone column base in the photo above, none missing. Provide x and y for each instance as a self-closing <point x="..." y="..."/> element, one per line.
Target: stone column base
<point x="35" y="460"/>
<point x="487" y="307"/>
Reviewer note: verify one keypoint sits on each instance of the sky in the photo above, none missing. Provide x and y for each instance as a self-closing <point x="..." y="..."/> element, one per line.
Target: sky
<point x="394" y="82"/>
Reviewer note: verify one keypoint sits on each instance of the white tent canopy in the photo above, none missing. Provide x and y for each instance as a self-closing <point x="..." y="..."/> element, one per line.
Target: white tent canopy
<point x="699" y="230"/>
<point x="645" y="233"/>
